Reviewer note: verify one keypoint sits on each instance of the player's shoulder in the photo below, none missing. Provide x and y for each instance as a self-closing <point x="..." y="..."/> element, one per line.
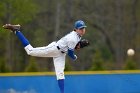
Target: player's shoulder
<point x="71" y="35"/>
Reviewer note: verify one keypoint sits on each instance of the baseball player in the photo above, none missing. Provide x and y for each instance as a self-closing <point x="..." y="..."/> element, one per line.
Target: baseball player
<point x="57" y="49"/>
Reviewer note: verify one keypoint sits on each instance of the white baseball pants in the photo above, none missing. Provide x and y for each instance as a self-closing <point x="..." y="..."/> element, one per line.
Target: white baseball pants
<point x="50" y="51"/>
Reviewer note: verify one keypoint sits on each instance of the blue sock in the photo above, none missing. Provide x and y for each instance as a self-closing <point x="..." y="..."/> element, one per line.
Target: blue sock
<point x="21" y="37"/>
<point x="61" y="85"/>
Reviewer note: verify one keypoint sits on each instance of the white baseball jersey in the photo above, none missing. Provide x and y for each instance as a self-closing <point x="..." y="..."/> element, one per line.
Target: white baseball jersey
<point x="69" y="41"/>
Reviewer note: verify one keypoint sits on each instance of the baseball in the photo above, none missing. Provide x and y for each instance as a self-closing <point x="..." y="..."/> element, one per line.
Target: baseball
<point x="130" y="52"/>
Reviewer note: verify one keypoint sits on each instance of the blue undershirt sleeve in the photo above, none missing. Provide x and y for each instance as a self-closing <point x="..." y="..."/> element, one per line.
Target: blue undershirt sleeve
<point x="71" y="54"/>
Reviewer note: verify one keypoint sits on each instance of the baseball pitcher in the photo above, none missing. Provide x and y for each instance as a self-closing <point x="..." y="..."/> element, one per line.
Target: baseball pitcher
<point x="57" y="49"/>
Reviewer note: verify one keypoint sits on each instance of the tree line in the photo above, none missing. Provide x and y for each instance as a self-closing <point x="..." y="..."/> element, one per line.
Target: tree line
<point x="112" y="28"/>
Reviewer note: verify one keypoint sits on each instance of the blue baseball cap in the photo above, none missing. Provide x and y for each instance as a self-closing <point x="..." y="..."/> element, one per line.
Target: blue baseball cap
<point x="79" y="24"/>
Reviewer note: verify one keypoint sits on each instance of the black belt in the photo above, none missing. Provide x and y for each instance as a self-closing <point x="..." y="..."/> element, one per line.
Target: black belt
<point x="59" y="49"/>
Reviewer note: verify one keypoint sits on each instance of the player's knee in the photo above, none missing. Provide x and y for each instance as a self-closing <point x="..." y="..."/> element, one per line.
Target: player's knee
<point x="29" y="53"/>
<point x="29" y="49"/>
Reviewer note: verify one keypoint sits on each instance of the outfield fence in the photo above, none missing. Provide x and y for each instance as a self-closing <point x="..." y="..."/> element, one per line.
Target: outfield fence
<point x="75" y="82"/>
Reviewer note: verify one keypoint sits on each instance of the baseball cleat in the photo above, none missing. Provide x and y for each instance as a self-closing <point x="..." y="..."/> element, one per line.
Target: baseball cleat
<point x="11" y="27"/>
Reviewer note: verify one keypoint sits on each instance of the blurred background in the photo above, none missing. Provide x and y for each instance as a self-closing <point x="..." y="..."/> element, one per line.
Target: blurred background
<point x="113" y="26"/>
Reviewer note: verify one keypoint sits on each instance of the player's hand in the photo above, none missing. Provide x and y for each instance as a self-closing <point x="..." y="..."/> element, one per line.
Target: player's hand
<point x="75" y="58"/>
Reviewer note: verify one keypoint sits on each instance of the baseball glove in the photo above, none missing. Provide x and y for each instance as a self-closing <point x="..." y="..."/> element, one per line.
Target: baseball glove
<point x="82" y="43"/>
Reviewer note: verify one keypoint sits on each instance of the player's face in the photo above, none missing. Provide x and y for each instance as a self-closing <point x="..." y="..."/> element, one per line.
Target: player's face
<point x="81" y="31"/>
